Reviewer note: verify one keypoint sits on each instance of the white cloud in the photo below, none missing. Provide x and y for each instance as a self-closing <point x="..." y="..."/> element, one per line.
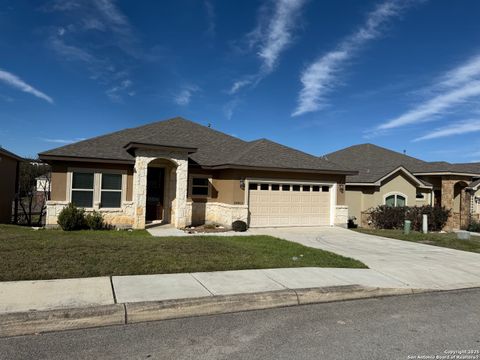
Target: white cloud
<point x="271" y="37"/>
<point x="457" y="128"/>
<point x="320" y="77"/>
<point x="62" y="141"/>
<point x="436" y="106"/>
<point x="17" y="83"/>
<point x="210" y="13"/>
<point x="116" y="93"/>
<point x="184" y="97"/>
<point x="463" y="73"/>
<point x="229" y="108"/>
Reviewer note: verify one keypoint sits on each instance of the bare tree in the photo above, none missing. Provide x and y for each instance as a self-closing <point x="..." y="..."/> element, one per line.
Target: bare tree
<point x="32" y="198"/>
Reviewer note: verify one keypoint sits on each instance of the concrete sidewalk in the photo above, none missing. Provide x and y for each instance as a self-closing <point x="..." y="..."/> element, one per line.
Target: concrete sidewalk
<point x="20" y="296"/>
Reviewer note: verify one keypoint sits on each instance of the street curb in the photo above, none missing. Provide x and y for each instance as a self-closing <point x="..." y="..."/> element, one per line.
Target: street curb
<point x="24" y="323"/>
<point x="31" y="322"/>
<point x="221" y="304"/>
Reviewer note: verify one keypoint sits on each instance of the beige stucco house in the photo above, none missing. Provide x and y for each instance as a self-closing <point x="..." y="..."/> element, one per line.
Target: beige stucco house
<point x="9" y="170"/>
<point x="386" y="177"/>
<point x="180" y="172"/>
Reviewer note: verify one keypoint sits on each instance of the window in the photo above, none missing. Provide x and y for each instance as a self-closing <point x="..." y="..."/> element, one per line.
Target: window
<point x="285" y="187"/>
<point x="296" y="188"/>
<point x="252" y="186"/>
<point x="315" y="188"/>
<point x="325" y="188"/>
<point x="111" y="193"/>
<point x="306" y="188"/>
<point x="263" y="186"/>
<point x="275" y="187"/>
<point x="82" y="189"/>
<point x="395" y="200"/>
<point x="200" y="186"/>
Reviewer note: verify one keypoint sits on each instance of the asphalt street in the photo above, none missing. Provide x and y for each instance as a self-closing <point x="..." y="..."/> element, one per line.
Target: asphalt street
<point x="402" y="327"/>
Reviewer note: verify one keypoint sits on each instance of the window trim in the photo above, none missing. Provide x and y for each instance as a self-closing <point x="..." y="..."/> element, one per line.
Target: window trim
<point x="395" y="193"/>
<point x="97" y="186"/>
<point x="190" y="186"/>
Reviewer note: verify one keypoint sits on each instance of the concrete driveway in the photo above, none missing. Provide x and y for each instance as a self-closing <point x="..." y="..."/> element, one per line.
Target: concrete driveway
<point x="415" y="265"/>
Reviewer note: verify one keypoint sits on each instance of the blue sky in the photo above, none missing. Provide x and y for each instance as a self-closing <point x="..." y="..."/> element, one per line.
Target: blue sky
<point x="314" y="75"/>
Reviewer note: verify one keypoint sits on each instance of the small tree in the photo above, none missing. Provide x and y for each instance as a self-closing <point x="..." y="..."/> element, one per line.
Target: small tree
<point x="32" y="201"/>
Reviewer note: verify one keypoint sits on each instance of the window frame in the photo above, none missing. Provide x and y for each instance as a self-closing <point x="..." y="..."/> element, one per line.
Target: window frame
<point x="97" y="186"/>
<point x="92" y="190"/>
<point x="395" y="194"/>
<point x="190" y="186"/>
<point x="101" y="190"/>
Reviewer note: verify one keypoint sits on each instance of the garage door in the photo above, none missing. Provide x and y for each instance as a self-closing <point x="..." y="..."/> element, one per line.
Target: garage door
<point x="288" y="204"/>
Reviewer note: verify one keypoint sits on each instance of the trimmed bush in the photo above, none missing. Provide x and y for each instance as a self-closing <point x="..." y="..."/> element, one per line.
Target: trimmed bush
<point x="239" y="225"/>
<point x="474" y="226"/>
<point x="388" y="217"/>
<point x="94" y="221"/>
<point x="71" y="218"/>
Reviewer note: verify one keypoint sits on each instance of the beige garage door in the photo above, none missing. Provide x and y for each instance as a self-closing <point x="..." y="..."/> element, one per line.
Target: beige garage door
<point x="287" y="204"/>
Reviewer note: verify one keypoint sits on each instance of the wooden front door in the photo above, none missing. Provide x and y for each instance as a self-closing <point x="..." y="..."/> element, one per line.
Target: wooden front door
<point x="155" y="193"/>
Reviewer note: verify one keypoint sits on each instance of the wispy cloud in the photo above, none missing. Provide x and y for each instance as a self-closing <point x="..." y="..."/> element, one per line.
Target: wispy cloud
<point x="321" y="77"/>
<point x="61" y="141"/>
<point x="229" y="108"/>
<point x="116" y="93"/>
<point x="436" y="106"/>
<point x="456" y="87"/>
<point x="17" y="83"/>
<point x="184" y="96"/>
<point x="457" y="128"/>
<point x="210" y="14"/>
<point x="272" y="35"/>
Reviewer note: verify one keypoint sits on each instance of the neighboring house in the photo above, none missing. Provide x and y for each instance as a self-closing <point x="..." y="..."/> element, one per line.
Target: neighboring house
<point x="9" y="170"/>
<point x="177" y="171"/>
<point x="386" y="177"/>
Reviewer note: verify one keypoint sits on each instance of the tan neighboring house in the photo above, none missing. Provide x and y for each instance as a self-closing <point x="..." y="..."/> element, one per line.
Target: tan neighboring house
<point x="386" y="177"/>
<point x="179" y="172"/>
<point x="9" y="170"/>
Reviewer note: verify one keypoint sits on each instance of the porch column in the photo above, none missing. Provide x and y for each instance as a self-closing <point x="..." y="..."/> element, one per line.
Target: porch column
<point x="180" y="213"/>
<point x="448" y="200"/>
<point x="140" y="191"/>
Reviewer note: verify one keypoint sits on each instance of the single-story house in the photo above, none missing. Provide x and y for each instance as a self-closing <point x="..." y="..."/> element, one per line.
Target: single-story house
<point x="180" y="172"/>
<point x="9" y="170"/>
<point x="386" y="177"/>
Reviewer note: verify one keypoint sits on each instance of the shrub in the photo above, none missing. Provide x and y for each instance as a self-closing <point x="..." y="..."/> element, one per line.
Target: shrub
<point x="94" y="221"/>
<point x="387" y="217"/>
<point x="239" y="225"/>
<point x="474" y="226"/>
<point x="71" y="218"/>
<point x="351" y="223"/>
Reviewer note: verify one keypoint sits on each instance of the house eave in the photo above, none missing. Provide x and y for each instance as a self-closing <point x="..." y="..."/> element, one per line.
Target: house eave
<point x="48" y="158"/>
<point x="131" y="146"/>
<point x="446" y="173"/>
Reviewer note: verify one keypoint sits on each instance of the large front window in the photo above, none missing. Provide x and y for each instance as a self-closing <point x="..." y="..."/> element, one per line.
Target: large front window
<point x="395" y="200"/>
<point x="96" y="187"/>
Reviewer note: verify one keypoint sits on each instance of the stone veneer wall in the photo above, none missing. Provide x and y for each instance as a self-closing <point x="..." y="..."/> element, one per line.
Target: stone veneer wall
<point x="216" y="213"/>
<point x="119" y="218"/>
<point x="341" y="215"/>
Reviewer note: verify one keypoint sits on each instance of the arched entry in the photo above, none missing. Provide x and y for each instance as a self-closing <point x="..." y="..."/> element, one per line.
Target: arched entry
<point x="160" y="191"/>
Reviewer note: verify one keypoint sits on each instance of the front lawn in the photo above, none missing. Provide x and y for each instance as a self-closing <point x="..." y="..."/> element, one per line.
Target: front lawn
<point x="27" y="254"/>
<point x="448" y="240"/>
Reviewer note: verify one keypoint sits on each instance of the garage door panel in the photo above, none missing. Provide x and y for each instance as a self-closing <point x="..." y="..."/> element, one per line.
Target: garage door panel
<point x="289" y="208"/>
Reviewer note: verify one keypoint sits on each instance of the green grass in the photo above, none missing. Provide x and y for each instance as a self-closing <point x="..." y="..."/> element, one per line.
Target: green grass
<point x="26" y="254"/>
<point x="448" y="240"/>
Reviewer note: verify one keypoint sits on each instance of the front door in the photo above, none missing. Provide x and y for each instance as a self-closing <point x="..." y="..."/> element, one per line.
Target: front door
<point x="155" y="193"/>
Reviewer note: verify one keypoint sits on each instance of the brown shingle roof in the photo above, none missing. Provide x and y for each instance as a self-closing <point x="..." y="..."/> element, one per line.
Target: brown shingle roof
<point x="373" y="162"/>
<point x="214" y="148"/>
<point x="5" y="152"/>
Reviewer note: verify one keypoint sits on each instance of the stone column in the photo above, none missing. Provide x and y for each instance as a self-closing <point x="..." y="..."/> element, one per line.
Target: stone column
<point x="140" y="191"/>
<point x="448" y="200"/>
<point x="181" y="173"/>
